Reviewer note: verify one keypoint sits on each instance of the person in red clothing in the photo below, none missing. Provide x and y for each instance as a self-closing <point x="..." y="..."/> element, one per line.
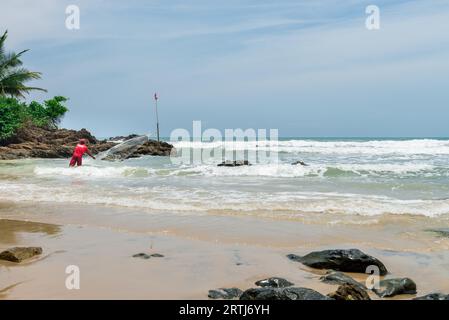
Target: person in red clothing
<point x="80" y="149"/>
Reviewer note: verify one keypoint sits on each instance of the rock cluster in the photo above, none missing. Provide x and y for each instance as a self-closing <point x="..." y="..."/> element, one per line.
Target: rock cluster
<point x="36" y="142"/>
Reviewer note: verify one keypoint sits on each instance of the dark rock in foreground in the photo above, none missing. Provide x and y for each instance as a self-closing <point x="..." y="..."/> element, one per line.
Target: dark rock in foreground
<point x="433" y="296"/>
<point x="290" y="293"/>
<point x="392" y="287"/>
<point x="225" y="293"/>
<point x="336" y="277"/>
<point x="18" y="254"/>
<point x="236" y="163"/>
<point x="352" y="260"/>
<point x="147" y="256"/>
<point x="274" y="282"/>
<point x="349" y="292"/>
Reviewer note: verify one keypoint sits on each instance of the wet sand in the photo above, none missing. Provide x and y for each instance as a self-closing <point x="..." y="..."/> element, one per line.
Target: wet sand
<point x="201" y="252"/>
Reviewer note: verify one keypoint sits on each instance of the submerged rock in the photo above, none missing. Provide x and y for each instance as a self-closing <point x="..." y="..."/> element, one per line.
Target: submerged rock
<point x="392" y="287"/>
<point x="352" y="260"/>
<point x="443" y="232"/>
<point x="235" y="163"/>
<point x="274" y="282"/>
<point x="142" y="256"/>
<point x="225" y="293"/>
<point x="349" y="292"/>
<point x="434" y="296"/>
<point x="290" y="293"/>
<point x="147" y="256"/>
<point x="336" y="277"/>
<point x="18" y="254"/>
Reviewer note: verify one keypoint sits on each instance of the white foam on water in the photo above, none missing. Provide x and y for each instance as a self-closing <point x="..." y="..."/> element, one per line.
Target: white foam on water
<point x="91" y="171"/>
<point x="286" y="170"/>
<point x="201" y="201"/>
<point x="373" y="147"/>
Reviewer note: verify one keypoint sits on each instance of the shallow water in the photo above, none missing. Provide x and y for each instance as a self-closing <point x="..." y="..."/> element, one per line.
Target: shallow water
<point x="356" y="178"/>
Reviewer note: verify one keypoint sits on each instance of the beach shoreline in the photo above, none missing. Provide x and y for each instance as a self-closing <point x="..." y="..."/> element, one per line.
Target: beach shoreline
<point x="200" y="252"/>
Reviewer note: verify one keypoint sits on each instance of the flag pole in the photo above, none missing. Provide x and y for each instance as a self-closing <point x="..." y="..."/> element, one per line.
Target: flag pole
<point x="157" y="116"/>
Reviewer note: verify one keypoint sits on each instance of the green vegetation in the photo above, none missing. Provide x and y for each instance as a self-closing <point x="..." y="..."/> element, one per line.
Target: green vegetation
<point x="12" y="75"/>
<point x="14" y="113"/>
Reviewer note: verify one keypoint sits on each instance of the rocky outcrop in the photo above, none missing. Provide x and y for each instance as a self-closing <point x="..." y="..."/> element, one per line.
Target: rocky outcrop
<point x="18" y="254"/>
<point x="349" y="292"/>
<point x="235" y="163"/>
<point x="119" y="139"/>
<point x="392" y="287"/>
<point x="225" y="293"/>
<point x="336" y="277"/>
<point x="434" y="296"/>
<point x="274" y="282"/>
<point x="153" y="148"/>
<point x="36" y="142"/>
<point x="290" y="293"/>
<point x="352" y="260"/>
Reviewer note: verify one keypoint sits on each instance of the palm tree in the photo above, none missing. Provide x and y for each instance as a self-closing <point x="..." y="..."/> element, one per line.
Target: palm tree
<point x="12" y="75"/>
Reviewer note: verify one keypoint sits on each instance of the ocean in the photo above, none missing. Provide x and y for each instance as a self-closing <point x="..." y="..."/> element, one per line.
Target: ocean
<point x="345" y="181"/>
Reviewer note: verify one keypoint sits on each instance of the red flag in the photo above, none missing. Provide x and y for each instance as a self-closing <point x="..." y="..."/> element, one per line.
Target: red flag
<point x="156" y="97"/>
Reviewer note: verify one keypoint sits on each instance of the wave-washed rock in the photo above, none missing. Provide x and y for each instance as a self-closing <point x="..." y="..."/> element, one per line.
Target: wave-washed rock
<point x="18" y="254"/>
<point x="349" y="292"/>
<point x="392" y="287"/>
<point x="352" y="260"/>
<point x="235" y="163"/>
<point x="274" y="282"/>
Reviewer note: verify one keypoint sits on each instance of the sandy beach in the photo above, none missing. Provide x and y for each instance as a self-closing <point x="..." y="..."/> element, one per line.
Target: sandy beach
<point x="200" y="252"/>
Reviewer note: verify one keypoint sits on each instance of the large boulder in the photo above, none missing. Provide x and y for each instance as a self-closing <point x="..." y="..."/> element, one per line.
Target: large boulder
<point x="137" y="147"/>
<point x="18" y="254"/>
<point x="290" y="293"/>
<point x="123" y="150"/>
<point x="349" y="292"/>
<point x="352" y="260"/>
<point x="274" y="282"/>
<point x="392" y="287"/>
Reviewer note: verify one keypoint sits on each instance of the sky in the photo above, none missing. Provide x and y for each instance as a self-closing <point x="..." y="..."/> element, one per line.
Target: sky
<point x="309" y="68"/>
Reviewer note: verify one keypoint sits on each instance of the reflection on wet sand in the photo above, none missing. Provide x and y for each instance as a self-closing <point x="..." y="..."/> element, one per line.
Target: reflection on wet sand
<point x="10" y="230"/>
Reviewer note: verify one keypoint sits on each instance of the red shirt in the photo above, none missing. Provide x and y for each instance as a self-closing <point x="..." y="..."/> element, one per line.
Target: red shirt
<point x="80" y="149"/>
